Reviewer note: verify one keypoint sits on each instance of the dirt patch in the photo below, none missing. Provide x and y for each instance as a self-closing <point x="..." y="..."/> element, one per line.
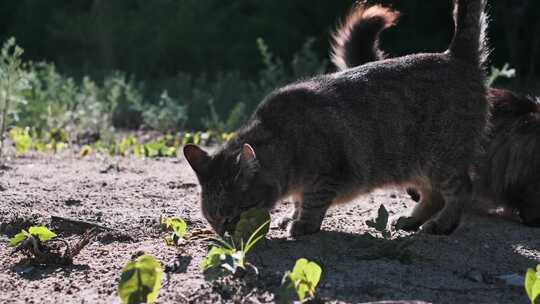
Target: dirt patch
<point x="127" y="199"/>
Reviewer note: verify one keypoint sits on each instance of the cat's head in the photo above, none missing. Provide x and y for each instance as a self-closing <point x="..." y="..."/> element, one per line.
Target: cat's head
<point x="231" y="183"/>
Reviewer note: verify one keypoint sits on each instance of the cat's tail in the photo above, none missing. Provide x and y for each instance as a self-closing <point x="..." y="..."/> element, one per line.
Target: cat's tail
<point x="470" y="43"/>
<point x="356" y="40"/>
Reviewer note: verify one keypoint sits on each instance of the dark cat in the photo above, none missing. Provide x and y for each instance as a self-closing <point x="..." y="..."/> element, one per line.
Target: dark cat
<point x="414" y="120"/>
<point x="508" y="173"/>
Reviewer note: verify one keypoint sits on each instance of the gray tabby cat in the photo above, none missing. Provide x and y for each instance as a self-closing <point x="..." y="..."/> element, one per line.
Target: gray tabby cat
<point x="413" y="120"/>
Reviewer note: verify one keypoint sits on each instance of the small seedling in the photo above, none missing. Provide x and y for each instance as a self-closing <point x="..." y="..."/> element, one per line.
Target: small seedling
<point x="303" y="279"/>
<point x="35" y="243"/>
<point x="505" y="72"/>
<point x="177" y="226"/>
<point x="40" y="233"/>
<point x="381" y="222"/>
<point x="532" y="284"/>
<point x="140" y="281"/>
<point x="227" y="256"/>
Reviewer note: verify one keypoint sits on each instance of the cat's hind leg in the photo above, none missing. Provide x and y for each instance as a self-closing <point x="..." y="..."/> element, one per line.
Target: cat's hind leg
<point x="455" y="189"/>
<point x="429" y="203"/>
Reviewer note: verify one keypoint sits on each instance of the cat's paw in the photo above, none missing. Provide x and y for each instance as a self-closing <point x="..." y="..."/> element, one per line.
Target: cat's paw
<point x="438" y="227"/>
<point x="407" y="223"/>
<point x="299" y="228"/>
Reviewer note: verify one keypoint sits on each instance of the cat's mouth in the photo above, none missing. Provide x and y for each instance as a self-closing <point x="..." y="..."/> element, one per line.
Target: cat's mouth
<point x="230" y="224"/>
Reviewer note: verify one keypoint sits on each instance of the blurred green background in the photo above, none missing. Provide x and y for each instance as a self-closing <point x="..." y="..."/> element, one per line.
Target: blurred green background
<point x="205" y="64"/>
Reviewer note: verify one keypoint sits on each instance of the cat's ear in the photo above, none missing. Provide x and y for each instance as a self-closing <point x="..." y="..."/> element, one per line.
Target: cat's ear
<point x="248" y="164"/>
<point x="248" y="154"/>
<point x="197" y="158"/>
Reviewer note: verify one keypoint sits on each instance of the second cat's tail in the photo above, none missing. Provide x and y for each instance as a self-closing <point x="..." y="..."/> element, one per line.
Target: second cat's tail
<point x="355" y="41"/>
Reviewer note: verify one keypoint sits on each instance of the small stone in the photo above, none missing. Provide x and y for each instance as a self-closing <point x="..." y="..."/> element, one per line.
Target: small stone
<point x="475" y="276"/>
<point x="512" y="279"/>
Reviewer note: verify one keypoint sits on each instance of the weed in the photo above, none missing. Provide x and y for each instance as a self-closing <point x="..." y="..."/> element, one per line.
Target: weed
<point x="381" y="223"/>
<point x="225" y="255"/>
<point x="40" y="233"/>
<point x="303" y="279"/>
<point x="13" y="81"/>
<point x="22" y="140"/>
<point x="140" y="281"/>
<point x="532" y="284"/>
<point x="177" y="226"/>
<point x="505" y="72"/>
<point x="36" y="243"/>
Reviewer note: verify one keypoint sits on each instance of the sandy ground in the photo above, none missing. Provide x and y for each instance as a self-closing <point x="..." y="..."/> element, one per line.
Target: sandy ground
<point x="127" y="195"/>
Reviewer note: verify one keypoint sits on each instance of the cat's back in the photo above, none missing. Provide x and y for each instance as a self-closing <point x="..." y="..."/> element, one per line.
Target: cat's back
<point x="409" y="81"/>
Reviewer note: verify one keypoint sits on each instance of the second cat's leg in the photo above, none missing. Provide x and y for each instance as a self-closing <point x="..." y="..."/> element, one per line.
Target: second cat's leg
<point x="311" y="212"/>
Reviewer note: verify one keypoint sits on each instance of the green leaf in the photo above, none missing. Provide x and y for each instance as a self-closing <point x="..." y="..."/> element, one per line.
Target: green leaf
<point x="85" y="151"/>
<point x="530" y="279"/>
<point x="177" y="225"/>
<point x="215" y="257"/>
<point x="18" y="238"/>
<point x="140" y="281"/>
<point x="42" y="233"/>
<point x="152" y="149"/>
<point x="304" y="277"/>
<point x="248" y="226"/>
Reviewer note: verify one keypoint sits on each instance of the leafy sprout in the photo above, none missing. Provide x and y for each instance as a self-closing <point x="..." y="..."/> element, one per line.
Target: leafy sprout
<point x="381" y="222"/>
<point x="532" y="284"/>
<point x="303" y="279"/>
<point x="39" y="232"/>
<point x="227" y="256"/>
<point x="140" y="281"/>
<point x="178" y="227"/>
<point x="505" y="72"/>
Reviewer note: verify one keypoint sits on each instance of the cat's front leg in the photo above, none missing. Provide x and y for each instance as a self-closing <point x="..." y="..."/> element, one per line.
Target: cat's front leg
<point x="311" y="212"/>
<point x="287" y="219"/>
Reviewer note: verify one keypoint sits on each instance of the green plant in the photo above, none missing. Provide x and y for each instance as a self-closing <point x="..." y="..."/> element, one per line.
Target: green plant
<point x="505" y="72"/>
<point x="22" y="140"/>
<point x="13" y="81"/>
<point x="249" y="223"/>
<point x="381" y="222"/>
<point x="227" y="256"/>
<point x="40" y="233"/>
<point x="303" y="279"/>
<point x="532" y="284"/>
<point x="177" y="226"/>
<point x="140" y="281"/>
<point x="168" y="115"/>
<point x="85" y="150"/>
